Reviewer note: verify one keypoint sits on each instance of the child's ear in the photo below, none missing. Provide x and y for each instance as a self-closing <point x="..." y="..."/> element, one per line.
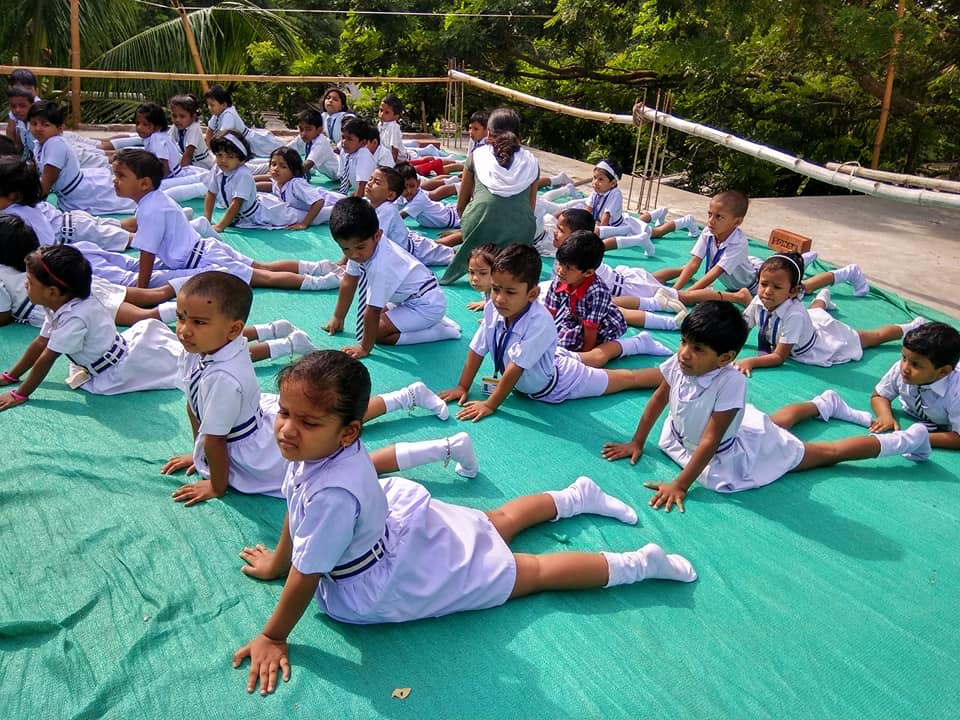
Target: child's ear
<point x="236" y="327"/>
<point x="350" y="433"/>
<point x="727" y="357"/>
<point x="795" y="290"/>
<point x="533" y="293"/>
<point x="943" y="371"/>
<point x="589" y="273"/>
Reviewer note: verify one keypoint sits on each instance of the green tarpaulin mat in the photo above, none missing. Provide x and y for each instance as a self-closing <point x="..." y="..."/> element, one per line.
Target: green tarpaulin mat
<point x="829" y="594"/>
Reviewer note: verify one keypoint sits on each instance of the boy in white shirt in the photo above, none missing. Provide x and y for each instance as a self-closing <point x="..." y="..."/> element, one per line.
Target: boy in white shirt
<point x="399" y="301"/>
<point x="356" y="160"/>
<point x="316" y="151"/>
<point x="391" y="136"/>
<point x="417" y="204"/>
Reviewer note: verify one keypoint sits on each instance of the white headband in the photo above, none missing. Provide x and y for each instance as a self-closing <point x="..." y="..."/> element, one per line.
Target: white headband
<point x="234" y="140"/>
<point x="605" y="166"/>
<point x="792" y="262"/>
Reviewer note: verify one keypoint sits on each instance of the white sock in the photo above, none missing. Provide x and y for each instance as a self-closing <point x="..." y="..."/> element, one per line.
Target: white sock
<point x="609" y="231"/>
<point x="187" y="192"/>
<point x="296" y="343"/>
<point x="204" y="228"/>
<point x="188" y="213"/>
<point x="809" y="258"/>
<point x="854" y="275"/>
<point x="446" y="329"/>
<point x="275" y="329"/>
<point x="584" y="497"/>
<point x="668" y="299"/>
<point x="913" y="324"/>
<point x="643" y="239"/>
<point x="913" y="443"/>
<point x="415" y="395"/>
<point x="688" y="223"/>
<point x="659" y="322"/>
<point x="826" y="297"/>
<point x="560" y="180"/>
<point x="315" y="267"/>
<point x="831" y="405"/>
<point x="642" y="344"/>
<point x="648" y="563"/>
<point x="320" y="282"/>
<point x="457" y="447"/>
<point x="168" y="311"/>
<point x="658" y="216"/>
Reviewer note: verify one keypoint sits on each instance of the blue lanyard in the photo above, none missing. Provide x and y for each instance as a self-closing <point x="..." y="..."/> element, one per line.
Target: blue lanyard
<point x="716" y="258"/>
<point x="598" y="209"/>
<point x="181" y="139"/>
<point x="764" y="345"/>
<point x="223" y="189"/>
<point x="500" y="348"/>
<point x="306" y="148"/>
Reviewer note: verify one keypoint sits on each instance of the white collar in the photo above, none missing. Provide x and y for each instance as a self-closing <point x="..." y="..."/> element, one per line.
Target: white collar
<point x="228" y="351"/>
<point x="939" y="388"/>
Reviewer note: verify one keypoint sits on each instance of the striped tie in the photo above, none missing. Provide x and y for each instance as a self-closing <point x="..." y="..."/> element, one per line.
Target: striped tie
<point x="345" y="177"/>
<point x="918" y="404"/>
<point x="306" y="149"/>
<point x="361" y="302"/>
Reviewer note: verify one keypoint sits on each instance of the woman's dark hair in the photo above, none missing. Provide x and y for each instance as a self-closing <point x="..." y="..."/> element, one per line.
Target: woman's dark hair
<point x="142" y="163"/>
<point x="504" y="129"/>
<point x="17" y="240"/>
<point x="154" y="114"/>
<point x="218" y="93"/>
<point x="331" y="380"/>
<point x="20" y="177"/>
<point x="47" y="110"/>
<point x="63" y="267"/>
<point x="791" y="262"/>
<point x="188" y="102"/>
<point x="292" y="158"/>
<point x="220" y="143"/>
<point x="340" y="94"/>
<point x="716" y="324"/>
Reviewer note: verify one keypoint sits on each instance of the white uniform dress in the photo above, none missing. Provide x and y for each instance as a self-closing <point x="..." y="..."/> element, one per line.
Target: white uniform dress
<point x="936" y="405"/>
<point x="625" y="281"/>
<point x="124" y="270"/>
<point x="550" y="374"/>
<point x="401" y="285"/>
<point x="816" y="337"/>
<point x="424" y="249"/>
<point x="14" y="300"/>
<point x="429" y="213"/>
<point x="301" y="195"/>
<point x="386" y="550"/>
<point x="225" y="397"/>
<point x="258" y="210"/>
<point x="164" y="147"/>
<point x="143" y="357"/>
<point x="739" y="269"/>
<point x="382" y="157"/>
<point x="391" y="136"/>
<point x="332" y="124"/>
<point x="609" y="202"/>
<point x="320" y="153"/>
<point x="54" y="227"/>
<point x="753" y="452"/>
<point x="355" y="167"/>
<point x="262" y="142"/>
<point x="193" y="137"/>
<point x="90" y="189"/>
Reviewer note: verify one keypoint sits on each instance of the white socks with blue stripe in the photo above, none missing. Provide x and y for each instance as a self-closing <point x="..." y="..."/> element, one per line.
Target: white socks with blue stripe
<point x="584" y="497"/>
<point x="458" y="448"/>
<point x="648" y="563"/>
<point x="913" y="443"/>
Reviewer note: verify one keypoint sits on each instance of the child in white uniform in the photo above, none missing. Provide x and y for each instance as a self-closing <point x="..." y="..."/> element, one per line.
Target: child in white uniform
<point x="17" y="240"/>
<point x="224" y="117"/>
<point x="103" y="361"/>
<point x="374" y="551"/>
<point x="310" y="144"/>
<point x="384" y="187"/>
<point x="382" y="156"/>
<point x="391" y="136"/>
<point x="719" y="439"/>
<point x="286" y="182"/>
<point x="521" y="335"/>
<point x="813" y="337"/>
<point x="60" y="173"/>
<point x="187" y="134"/>
<point x="151" y="123"/>
<point x="399" y="301"/>
<point x="334" y="113"/>
<point x="415" y="203"/>
<point x="356" y="161"/>
<point x="925" y="380"/>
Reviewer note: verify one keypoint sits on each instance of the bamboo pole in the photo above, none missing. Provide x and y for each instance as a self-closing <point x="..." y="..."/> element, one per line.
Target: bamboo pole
<point x="887" y="90"/>
<point x="75" y="62"/>
<point x="191" y="42"/>
<point x="896" y="178"/>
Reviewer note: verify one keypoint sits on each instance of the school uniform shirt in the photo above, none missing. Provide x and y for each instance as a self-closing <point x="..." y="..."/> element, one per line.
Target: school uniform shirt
<point x="628" y="281"/>
<point x="26" y="138"/>
<point x="391" y="136"/>
<point x="752" y="452"/>
<point x="429" y="213"/>
<point x="382" y="157"/>
<point x="14" y="300"/>
<point x="53" y="227"/>
<point x="589" y="305"/>
<point x="225" y="397"/>
<point x="356" y="167"/>
<point x="192" y="137"/>
<point x="319" y="153"/>
<point x="732" y="255"/>
<point x="262" y="142"/>
<point x="417" y="557"/>
<point x="300" y="195"/>
<point x="143" y="357"/>
<point x="163" y="147"/>
<point x="816" y="337"/>
<point x="608" y="202"/>
<point x="936" y="405"/>
<point x="91" y="189"/>
<point x="43" y="218"/>
<point x="164" y="231"/>
<point x="332" y="124"/>
<point x="395" y="276"/>
<point x="393" y="225"/>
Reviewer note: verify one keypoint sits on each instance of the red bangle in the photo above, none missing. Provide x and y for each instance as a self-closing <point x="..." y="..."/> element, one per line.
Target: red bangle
<point x="19" y="397"/>
<point x="8" y="377"/>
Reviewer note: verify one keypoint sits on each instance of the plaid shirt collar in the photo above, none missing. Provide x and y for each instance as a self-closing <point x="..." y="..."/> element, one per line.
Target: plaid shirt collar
<point x="579" y="292"/>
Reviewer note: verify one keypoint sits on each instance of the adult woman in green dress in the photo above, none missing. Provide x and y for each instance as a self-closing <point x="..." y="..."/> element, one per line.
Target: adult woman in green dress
<point x="498" y="192"/>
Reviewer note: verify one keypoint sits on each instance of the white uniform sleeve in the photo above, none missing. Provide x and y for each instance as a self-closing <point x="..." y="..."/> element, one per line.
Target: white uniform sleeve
<point x="670" y="369"/>
<point x="700" y="246"/>
<point x="416" y="206"/>
<point x="735" y="254"/>
<point x="615" y="204"/>
<point x="795" y="327"/>
<point x="750" y="314"/>
<point x="479" y="342"/>
<point x="304" y="192"/>
<point x="732" y="394"/>
<point x="213" y="184"/>
<point x="67" y="337"/>
<point x="230" y="121"/>
<point x="364" y="165"/>
<point x="149" y="234"/>
<point x="326" y="531"/>
<point x="537" y="337"/>
<point x="6" y="299"/>
<point x="953" y="412"/>
<point x="222" y="398"/>
<point x="55" y="153"/>
<point x="889" y="385"/>
<point x="381" y="285"/>
<point x="244" y="187"/>
<point x="352" y="268"/>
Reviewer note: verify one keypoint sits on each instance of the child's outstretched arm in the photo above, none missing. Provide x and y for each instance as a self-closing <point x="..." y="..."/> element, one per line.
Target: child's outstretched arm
<point x="37" y="358"/>
<point x="708" y="278"/>
<point x="230" y="215"/>
<point x="884" y="420"/>
<point x="146" y="269"/>
<point x="348" y="287"/>
<point x="371" y="330"/>
<point x="477" y="409"/>
<point x="771" y="359"/>
<point x="209" y="201"/>
<point x="309" y="217"/>
<point x="634" y="448"/>
<point x="673" y="493"/>
<point x="689" y="270"/>
<point x="460" y="393"/>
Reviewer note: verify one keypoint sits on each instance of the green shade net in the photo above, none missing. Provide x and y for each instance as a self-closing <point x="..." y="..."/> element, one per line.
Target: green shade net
<point x="829" y="594"/>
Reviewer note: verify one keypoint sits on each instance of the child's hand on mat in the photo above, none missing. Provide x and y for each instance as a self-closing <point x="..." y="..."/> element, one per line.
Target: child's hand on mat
<point x="334" y="326"/>
<point x="177" y="463"/>
<point x="356" y="351"/>
<point x="476" y="306"/>
<point x="297" y="226"/>
<point x="475" y="410"/>
<point x="882" y="425"/>
<point x="667" y="495"/>
<point x="266" y="658"/>
<point x="261" y="563"/>
<point x="744" y="366"/>
<point x="456" y="394"/>
<point x="618" y="451"/>
<point x="195" y="493"/>
<point x="8" y="401"/>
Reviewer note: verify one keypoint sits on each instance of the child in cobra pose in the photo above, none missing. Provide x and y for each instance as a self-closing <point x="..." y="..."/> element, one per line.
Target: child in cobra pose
<point x="811" y="336"/>
<point x="720" y="440"/>
<point x="376" y="551"/>
<point x="286" y="181"/>
<point x="224" y="117"/>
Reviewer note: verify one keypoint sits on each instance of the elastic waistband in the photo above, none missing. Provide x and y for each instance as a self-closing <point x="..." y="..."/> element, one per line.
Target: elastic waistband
<point x="110" y="358"/>
<point x="72" y="185"/>
<point x="365" y="561"/>
<point x="547" y="389"/>
<point x="245" y="429"/>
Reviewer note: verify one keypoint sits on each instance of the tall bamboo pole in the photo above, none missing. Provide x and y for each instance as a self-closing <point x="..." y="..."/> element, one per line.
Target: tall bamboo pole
<point x="191" y="43"/>
<point x="887" y="91"/>
<point x="75" y="62"/>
